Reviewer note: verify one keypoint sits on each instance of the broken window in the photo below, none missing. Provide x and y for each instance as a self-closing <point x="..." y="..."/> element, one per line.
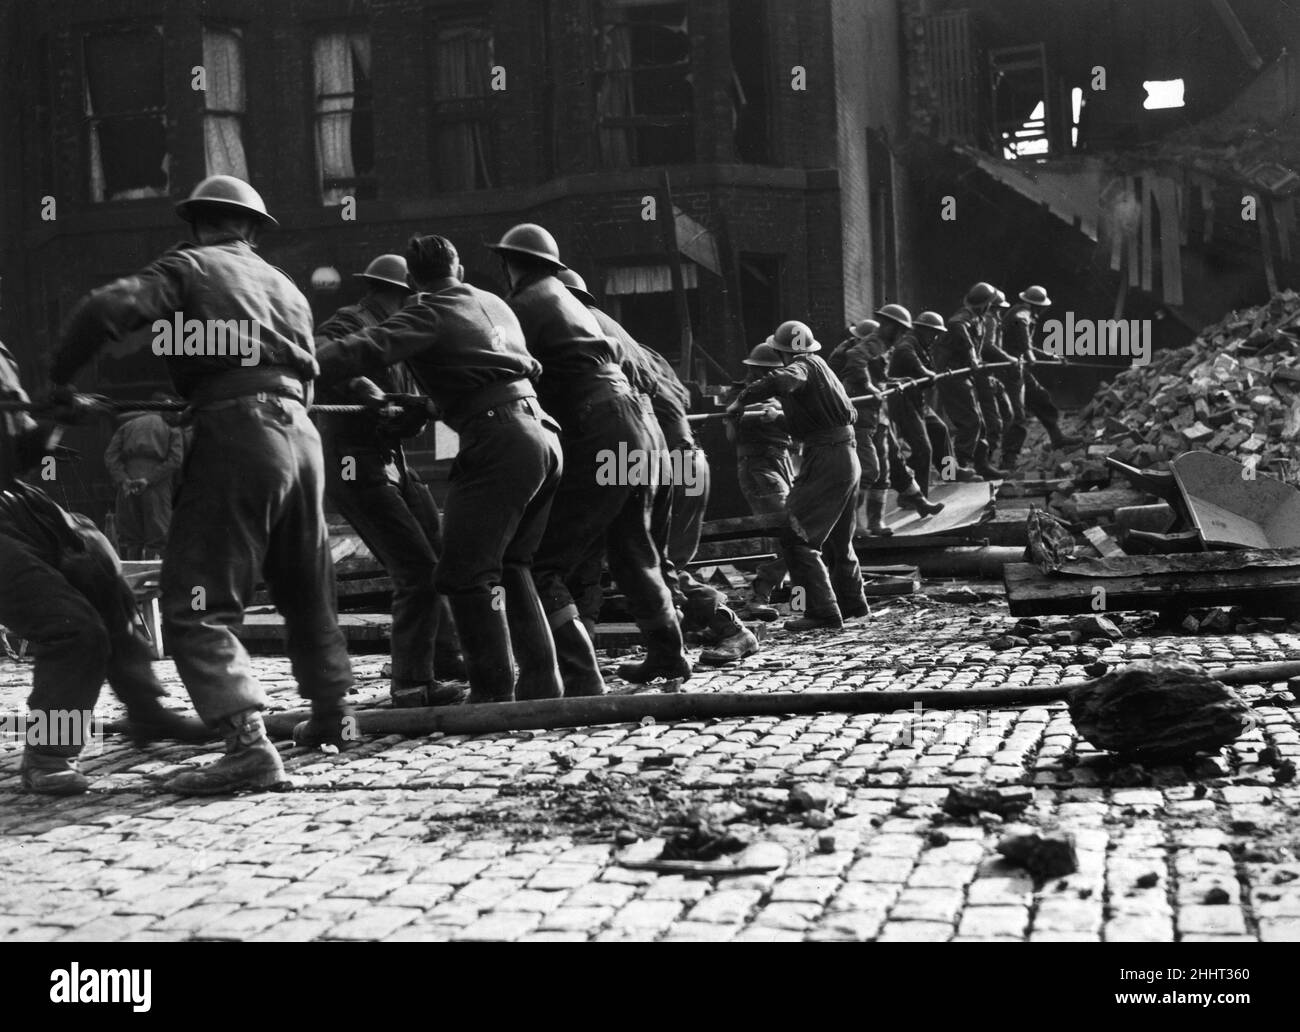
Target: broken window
<point x="749" y="82"/>
<point x="464" y="155"/>
<point x="223" y="118"/>
<point x="644" y="98"/>
<point x="345" y="129"/>
<point x="1020" y="117"/>
<point x="125" y="101"/>
<point x="641" y="298"/>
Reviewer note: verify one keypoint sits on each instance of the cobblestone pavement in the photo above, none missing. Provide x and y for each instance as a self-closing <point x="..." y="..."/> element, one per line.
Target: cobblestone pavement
<point x="523" y="836"/>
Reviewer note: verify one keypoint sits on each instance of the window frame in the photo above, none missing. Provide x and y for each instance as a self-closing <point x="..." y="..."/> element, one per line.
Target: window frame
<point x="362" y="186"/>
<point x="90" y="122"/>
<point x="479" y="109"/>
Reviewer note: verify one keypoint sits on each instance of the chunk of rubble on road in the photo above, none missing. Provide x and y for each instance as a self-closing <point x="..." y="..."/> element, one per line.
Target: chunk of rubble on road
<point x="1008" y="801"/>
<point x="1158" y="710"/>
<point x="1044" y="854"/>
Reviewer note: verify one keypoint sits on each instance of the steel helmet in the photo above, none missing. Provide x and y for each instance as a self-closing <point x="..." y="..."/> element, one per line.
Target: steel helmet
<point x="533" y="240"/>
<point x="1002" y="301"/>
<point x="764" y="356"/>
<point x="225" y="192"/>
<point x="1035" y="296"/>
<point x="864" y="328"/>
<point x="896" y="313"/>
<point x="389" y="269"/>
<point x="931" y="321"/>
<point x="577" y="285"/>
<point x="795" y="337"/>
<point x="981" y="293"/>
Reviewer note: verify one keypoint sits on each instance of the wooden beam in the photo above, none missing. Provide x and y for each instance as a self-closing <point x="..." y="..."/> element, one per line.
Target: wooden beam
<point x="1238" y="33"/>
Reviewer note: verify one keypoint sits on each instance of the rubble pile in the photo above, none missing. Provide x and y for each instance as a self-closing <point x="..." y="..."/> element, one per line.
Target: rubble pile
<point x="1235" y="390"/>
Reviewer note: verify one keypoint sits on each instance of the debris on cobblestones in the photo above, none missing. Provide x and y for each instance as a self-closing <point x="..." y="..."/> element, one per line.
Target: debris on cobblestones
<point x="964" y="801"/>
<point x="1159" y="710"/>
<point x="1044" y="854"/>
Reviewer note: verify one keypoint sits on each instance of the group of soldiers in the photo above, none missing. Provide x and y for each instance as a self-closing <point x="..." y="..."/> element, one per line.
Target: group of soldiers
<point x="501" y="586"/>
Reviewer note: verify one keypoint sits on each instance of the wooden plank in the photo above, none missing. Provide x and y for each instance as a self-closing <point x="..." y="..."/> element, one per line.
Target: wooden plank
<point x="1171" y="255"/>
<point x="1106" y="545"/>
<point x="1150" y="582"/>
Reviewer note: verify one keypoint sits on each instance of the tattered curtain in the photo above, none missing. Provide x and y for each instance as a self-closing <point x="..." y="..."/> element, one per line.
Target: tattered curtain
<point x="223" y="63"/>
<point x="462" y="70"/>
<point x="333" y="58"/>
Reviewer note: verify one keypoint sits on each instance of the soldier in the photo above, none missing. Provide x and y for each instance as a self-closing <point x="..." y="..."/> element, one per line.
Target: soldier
<point x="64" y="592"/>
<point x="989" y="391"/>
<point x="864" y="375"/>
<point x="583" y="385"/>
<point x="821" y="503"/>
<point x="252" y="502"/>
<point x="703" y="608"/>
<point x="387" y="503"/>
<point x="924" y="432"/>
<point x="1027" y="394"/>
<point x="142" y="457"/>
<point x="960" y="349"/>
<point x="466" y="349"/>
<point x="765" y="471"/>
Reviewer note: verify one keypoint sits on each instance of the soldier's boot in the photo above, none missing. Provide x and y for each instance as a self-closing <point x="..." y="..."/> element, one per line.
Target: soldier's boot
<point x="736" y="641"/>
<point x="251" y="761"/>
<point x="965" y="475"/>
<point x="530" y="636"/>
<point x="331" y="723"/>
<point x="875" y="509"/>
<point x="920" y="504"/>
<point x="485" y="639"/>
<point x="576" y="657"/>
<point x="985" y="468"/>
<point x="665" y="656"/>
<point x="1059" y="438"/>
<point x="759" y="606"/>
<point x="149" y="721"/>
<point x="412" y="694"/>
<point x="822" y="619"/>
<point x="51" y="774"/>
<point x="854" y="607"/>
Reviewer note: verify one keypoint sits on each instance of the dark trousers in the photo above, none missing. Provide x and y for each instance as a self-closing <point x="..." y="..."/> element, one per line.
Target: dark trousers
<point x="70" y="601"/>
<point x="882" y="462"/>
<point x="504" y="482"/>
<point x="957" y="399"/>
<point x="818" y="541"/>
<point x="252" y="505"/>
<point x="765" y="479"/>
<point x="916" y="426"/>
<point x="987" y="391"/>
<point x="393" y="512"/>
<point x="1028" y="397"/>
<point x="142" y="520"/>
<point x="589" y="510"/>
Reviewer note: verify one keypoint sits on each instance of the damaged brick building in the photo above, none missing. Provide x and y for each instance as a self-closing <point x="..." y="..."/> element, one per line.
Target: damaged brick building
<point x="363" y="122"/>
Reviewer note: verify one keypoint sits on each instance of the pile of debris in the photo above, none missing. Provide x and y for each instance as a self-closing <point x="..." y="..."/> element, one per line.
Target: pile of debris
<point x="1235" y="390"/>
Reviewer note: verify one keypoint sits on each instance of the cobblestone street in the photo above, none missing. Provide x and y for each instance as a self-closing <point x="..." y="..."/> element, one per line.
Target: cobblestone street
<point x="528" y="836"/>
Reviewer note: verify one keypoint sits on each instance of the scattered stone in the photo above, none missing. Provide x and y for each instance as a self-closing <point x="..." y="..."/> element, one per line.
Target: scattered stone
<point x="1008" y="801"/>
<point x="1130" y="775"/>
<point x="817" y="819"/>
<point x="827" y="842"/>
<point x="1284" y="774"/>
<point x="1097" y="627"/>
<point x="1008" y="641"/>
<point x="1158" y="710"/>
<point x="1044" y="855"/>
<point x="1217" y="897"/>
<point x="814" y="795"/>
<point x="1148" y="881"/>
<point x="1211" y="767"/>
<point x="937" y="838"/>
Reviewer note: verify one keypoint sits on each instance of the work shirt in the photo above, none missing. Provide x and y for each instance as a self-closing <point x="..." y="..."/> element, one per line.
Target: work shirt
<point x="1018" y="330"/>
<point x="144" y="447"/>
<point x="863" y="373"/>
<point x="960" y="347"/>
<point x="907" y="358"/>
<point x="463" y="346"/>
<point x="213" y="283"/>
<point x="652" y="374"/>
<point x="813" y="399"/>
<point x="579" y="361"/>
<point x="991" y="349"/>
